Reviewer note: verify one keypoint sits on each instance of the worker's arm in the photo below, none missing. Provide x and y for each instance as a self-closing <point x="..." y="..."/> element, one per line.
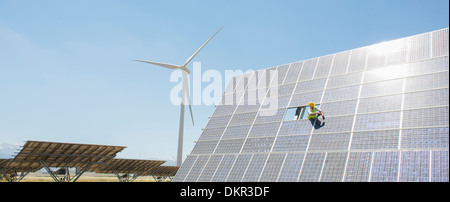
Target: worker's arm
<point x="319" y="112"/>
<point x="310" y="113"/>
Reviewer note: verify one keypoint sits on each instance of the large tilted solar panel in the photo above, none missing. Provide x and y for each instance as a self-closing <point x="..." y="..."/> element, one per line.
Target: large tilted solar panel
<point x="386" y="109"/>
<point x="55" y="154"/>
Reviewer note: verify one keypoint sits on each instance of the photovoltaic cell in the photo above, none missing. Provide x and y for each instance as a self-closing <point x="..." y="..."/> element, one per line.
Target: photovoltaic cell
<point x="300" y="127"/>
<point x="329" y="142"/>
<point x="266" y="77"/>
<point x="185" y="168"/>
<point x="238" y="170"/>
<point x="312" y="167"/>
<point x="386" y="73"/>
<point x="420" y="47"/>
<point x="380" y="121"/>
<point x="312" y="85"/>
<point x="268" y="116"/>
<point x="423" y="99"/>
<point x="291" y="143"/>
<point x="282" y="71"/>
<point x="385" y="166"/>
<point x="255" y="167"/>
<point x="291" y="167"/>
<point x="428" y="66"/>
<point x="333" y="169"/>
<point x="426" y="82"/>
<point x="272" y="168"/>
<point x="341" y="108"/>
<point x="211" y="134"/>
<point x="323" y="66"/>
<point x="257" y="145"/>
<point x="376" y="56"/>
<point x="265" y="130"/>
<point x="286" y="89"/>
<point x="344" y="80"/>
<point x="218" y="121"/>
<point x="244" y="81"/>
<point x="374" y="140"/>
<point x="415" y="166"/>
<point x="210" y="168"/>
<point x="382" y="88"/>
<point x="243" y="119"/>
<point x="309" y="67"/>
<point x="426" y="117"/>
<point x="204" y="147"/>
<point x="229" y="146"/>
<point x="196" y="169"/>
<point x="293" y="73"/>
<point x="380" y="104"/>
<point x="358" y="167"/>
<point x="335" y="125"/>
<point x="271" y="103"/>
<point x="234" y="132"/>
<point x="224" y="109"/>
<point x="224" y="168"/>
<point x="440" y="43"/>
<point x="439" y="166"/>
<point x="303" y="99"/>
<point x="425" y="138"/>
<point x="357" y="60"/>
<point x="398" y="52"/>
<point x="340" y="63"/>
<point x="339" y="94"/>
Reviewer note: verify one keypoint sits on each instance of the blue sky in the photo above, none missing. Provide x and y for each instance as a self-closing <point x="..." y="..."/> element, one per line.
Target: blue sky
<point x="67" y="75"/>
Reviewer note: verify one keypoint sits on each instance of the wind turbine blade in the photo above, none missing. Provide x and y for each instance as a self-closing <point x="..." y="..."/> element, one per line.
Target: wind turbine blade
<point x="170" y="66"/>
<point x="186" y="90"/>
<point x="193" y="55"/>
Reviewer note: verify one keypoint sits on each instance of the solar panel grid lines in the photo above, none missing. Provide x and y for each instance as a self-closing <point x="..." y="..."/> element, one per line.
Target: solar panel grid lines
<point x="64" y="154"/>
<point x="264" y="148"/>
<point x="127" y="166"/>
<point x="385" y="103"/>
<point x="255" y="117"/>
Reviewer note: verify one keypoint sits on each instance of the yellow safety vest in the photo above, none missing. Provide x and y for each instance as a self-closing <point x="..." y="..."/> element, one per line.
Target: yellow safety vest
<point x="312" y="116"/>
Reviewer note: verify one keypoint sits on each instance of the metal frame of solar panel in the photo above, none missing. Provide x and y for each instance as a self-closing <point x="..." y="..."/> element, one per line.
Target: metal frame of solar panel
<point x="161" y="173"/>
<point x="64" y="156"/>
<point x="127" y="170"/>
<point x="386" y="107"/>
<point x="15" y="173"/>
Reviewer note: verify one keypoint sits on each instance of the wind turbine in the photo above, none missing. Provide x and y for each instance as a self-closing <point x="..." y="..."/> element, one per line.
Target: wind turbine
<point x="185" y="91"/>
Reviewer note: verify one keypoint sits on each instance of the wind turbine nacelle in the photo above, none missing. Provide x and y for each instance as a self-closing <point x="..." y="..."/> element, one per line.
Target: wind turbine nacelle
<point x="186" y="69"/>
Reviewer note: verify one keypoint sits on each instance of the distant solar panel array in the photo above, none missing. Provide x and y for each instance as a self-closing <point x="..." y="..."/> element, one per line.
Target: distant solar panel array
<point x="36" y="155"/>
<point x="387" y="119"/>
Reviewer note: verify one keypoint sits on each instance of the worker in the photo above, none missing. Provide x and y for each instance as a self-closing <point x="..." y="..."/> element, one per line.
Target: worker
<point x="313" y="115"/>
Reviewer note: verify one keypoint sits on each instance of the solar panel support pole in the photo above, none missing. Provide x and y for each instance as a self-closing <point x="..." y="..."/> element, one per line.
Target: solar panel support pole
<point x="18" y="178"/>
<point x="80" y="172"/>
<point x="66" y="177"/>
<point x="159" y="178"/>
<point x="50" y="172"/>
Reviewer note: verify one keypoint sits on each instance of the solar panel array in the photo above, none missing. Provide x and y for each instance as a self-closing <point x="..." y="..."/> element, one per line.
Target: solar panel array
<point x="36" y="155"/>
<point x="55" y="154"/>
<point x="386" y="109"/>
